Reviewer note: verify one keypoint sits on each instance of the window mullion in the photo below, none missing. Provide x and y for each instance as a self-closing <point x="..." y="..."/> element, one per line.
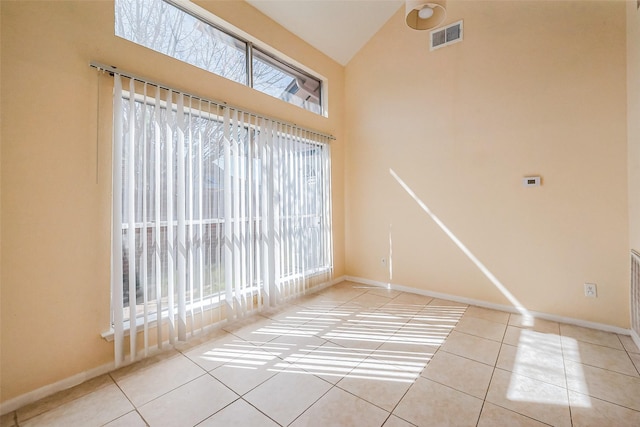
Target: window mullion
<point x="249" y="57"/>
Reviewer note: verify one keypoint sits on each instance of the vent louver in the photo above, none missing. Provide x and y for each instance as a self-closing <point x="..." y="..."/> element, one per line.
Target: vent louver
<point x="445" y="36"/>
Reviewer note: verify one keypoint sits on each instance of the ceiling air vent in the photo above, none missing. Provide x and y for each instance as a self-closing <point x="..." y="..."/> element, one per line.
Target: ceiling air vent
<point x="445" y="36"/>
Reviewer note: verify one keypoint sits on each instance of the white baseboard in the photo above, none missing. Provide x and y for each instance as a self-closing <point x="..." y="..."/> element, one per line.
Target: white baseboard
<point x="501" y="307"/>
<point x="42" y="392"/>
<point x="328" y="284"/>
<point x="32" y="396"/>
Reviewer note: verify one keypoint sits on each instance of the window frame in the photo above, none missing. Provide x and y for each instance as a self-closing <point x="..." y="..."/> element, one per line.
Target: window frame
<point x="216" y="299"/>
<point x="278" y="60"/>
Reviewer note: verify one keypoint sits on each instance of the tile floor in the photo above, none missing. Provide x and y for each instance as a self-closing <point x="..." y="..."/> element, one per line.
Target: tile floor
<point x="354" y="355"/>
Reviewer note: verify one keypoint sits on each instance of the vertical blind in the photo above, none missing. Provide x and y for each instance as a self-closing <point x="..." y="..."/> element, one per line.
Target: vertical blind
<point x="217" y="212"/>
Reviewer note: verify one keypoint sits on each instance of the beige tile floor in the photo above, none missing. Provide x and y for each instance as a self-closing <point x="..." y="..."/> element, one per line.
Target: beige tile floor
<point x="354" y="355"/>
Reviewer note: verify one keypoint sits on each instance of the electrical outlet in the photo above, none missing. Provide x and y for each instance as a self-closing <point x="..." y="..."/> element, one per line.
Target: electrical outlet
<point x="383" y="262"/>
<point x="590" y="290"/>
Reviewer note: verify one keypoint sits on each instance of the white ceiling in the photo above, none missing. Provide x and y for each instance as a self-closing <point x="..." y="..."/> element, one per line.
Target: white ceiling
<point x="338" y="28"/>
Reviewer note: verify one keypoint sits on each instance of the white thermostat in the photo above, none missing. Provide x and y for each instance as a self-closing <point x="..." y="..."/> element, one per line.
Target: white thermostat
<point x="531" y="181"/>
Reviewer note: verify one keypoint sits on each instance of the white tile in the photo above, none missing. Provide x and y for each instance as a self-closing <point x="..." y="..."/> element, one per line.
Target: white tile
<point x="459" y="373"/>
<point x="472" y="347"/>
<point x="548" y="342"/>
<point x="539" y="400"/>
<point x="481" y="328"/>
<point x="145" y="384"/>
<point x="403" y="309"/>
<point x="413" y="300"/>
<point x="533" y="362"/>
<point x="394" y="367"/>
<point x="254" y="328"/>
<point x="212" y="354"/>
<point x="431" y="404"/>
<point x="635" y="358"/>
<point x="442" y="315"/>
<point x="93" y="409"/>
<point x="350" y="355"/>
<point x="437" y="302"/>
<point x="286" y="312"/>
<point x="394" y="421"/>
<point x="493" y="415"/>
<point x="354" y="336"/>
<point x="131" y="419"/>
<point x="598" y="356"/>
<point x="239" y="413"/>
<point x="189" y="404"/>
<point x="588" y="411"/>
<point x="408" y="350"/>
<point x="290" y="401"/>
<point x="338" y="295"/>
<point x="419" y="337"/>
<point x="330" y="361"/>
<point x="370" y="300"/>
<point x="375" y="385"/>
<point x="613" y="387"/>
<point x="338" y="408"/>
<point x="534" y="324"/>
<point x="317" y="302"/>
<point x="629" y="344"/>
<point x="592" y="336"/>
<point x="241" y="378"/>
<point x="380" y="320"/>
<point x="389" y="293"/>
<point x="284" y="346"/>
<point x="58" y="399"/>
<point x="487" y="314"/>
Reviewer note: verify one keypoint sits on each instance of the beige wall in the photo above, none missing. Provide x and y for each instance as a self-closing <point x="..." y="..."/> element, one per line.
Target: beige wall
<point x="535" y="88"/>
<point x="55" y="216"/>
<point x="633" y="120"/>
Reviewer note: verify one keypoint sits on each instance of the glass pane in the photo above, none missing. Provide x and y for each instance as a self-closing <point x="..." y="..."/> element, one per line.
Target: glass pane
<point x="282" y="81"/>
<point x="169" y="30"/>
<point x="203" y="150"/>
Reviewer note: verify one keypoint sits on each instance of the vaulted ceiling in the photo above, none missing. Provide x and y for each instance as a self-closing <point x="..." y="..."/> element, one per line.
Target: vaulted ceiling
<point x="338" y="28"/>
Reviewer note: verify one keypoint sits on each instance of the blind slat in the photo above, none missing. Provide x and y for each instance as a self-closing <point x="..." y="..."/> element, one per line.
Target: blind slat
<point x="216" y="213"/>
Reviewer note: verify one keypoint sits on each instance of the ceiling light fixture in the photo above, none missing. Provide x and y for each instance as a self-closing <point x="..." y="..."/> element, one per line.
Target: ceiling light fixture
<point x="421" y="15"/>
<point x="425" y="13"/>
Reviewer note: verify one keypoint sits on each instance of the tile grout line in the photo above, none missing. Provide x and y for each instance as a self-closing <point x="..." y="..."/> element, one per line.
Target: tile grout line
<point x="332" y="384"/>
<point x="370" y="353"/>
<point x="257" y="409"/>
<point x="311" y="405"/>
<point x="495" y="367"/>
<point x="566" y="379"/>
<point x="493" y="371"/>
<point x="419" y="375"/>
<point x="629" y="355"/>
<point x="408" y="388"/>
<point x="135" y="408"/>
<point x="386" y="335"/>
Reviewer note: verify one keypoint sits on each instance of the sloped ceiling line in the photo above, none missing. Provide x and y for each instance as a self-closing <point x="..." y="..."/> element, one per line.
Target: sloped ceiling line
<point x="338" y="28"/>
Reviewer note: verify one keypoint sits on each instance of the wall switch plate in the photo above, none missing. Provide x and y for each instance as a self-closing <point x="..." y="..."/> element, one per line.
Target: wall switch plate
<point x="590" y="290"/>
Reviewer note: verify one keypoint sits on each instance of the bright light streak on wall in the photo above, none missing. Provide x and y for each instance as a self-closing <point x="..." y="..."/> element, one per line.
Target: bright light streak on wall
<point x="527" y="317"/>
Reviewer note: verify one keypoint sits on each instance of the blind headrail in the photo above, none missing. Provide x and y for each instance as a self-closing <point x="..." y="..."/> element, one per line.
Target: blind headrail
<point x="114" y="70"/>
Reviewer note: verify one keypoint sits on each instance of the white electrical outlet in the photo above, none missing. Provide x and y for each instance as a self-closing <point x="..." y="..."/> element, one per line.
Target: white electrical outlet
<point x="590" y="290"/>
<point x="383" y="262"/>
